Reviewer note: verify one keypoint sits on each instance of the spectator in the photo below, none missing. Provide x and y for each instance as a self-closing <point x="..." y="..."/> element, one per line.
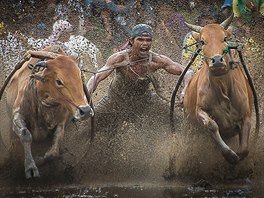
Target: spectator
<point x="248" y="11"/>
<point x="120" y="18"/>
<point x="227" y="8"/>
<point x="108" y="10"/>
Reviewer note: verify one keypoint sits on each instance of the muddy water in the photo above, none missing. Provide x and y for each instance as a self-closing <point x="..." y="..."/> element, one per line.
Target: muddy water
<point x="133" y="191"/>
<point x="131" y="164"/>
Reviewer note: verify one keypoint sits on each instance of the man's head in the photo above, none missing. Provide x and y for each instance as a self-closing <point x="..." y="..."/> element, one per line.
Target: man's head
<point x="140" y="30"/>
<point x="141" y="40"/>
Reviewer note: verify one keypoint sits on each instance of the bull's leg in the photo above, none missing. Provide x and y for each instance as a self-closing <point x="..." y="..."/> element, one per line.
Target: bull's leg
<point x="26" y="138"/>
<point x="244" y="138"/>
<point x="209" y="123"/>
<point x="53" y="152"/>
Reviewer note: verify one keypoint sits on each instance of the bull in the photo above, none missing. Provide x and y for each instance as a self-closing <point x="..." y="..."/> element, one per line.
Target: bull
<point x="43" y="96"/>
<point x="219" y="95"/>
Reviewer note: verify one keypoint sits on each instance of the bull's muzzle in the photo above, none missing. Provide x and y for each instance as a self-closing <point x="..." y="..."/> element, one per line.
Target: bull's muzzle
<point x="86" y="111"/>
<point x="218" y="61"/>
<point x="83" y="112"/>
<point x="218" y="66"/>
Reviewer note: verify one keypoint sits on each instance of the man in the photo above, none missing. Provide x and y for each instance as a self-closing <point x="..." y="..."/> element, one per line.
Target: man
<point x="227" y="7"/>
<point x="248" y="11"/>
<point x="129" y="92"/>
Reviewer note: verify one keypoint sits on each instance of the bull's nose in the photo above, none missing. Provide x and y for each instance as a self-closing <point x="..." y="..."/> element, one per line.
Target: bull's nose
<point x="86" y="111"/>
<point x="217" y="61"/>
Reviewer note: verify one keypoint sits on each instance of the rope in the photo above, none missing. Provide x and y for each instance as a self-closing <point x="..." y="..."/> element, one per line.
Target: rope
<point x="177" y="87"/>
<point x="195" y="52"/>
<point x="114" y="67"/>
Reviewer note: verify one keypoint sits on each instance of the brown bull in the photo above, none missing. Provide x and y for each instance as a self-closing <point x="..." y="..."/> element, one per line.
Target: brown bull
<point x="43" y="102"/>
<point x="219" y="95"/>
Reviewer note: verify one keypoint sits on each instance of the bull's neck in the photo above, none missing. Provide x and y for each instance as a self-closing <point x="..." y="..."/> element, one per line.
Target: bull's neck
<point x="220" y="84"/>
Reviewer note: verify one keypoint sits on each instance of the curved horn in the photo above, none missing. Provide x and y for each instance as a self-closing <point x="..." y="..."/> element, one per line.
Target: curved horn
<point x="43" y="54"/>
<point x="39" y="66"/>
<point x="195" y="28"/>
<point x="227" y="22"/>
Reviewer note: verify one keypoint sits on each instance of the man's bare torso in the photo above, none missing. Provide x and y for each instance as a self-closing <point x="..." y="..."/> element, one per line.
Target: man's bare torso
<point x="132" y="77"/>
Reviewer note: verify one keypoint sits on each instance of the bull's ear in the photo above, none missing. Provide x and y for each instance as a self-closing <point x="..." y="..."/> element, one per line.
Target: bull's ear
<point x="229" y="31"/>
<point x="196" y="35"/>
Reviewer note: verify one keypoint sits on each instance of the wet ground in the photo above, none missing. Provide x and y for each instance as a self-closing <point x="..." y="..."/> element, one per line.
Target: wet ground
<point x="137" y="191"/>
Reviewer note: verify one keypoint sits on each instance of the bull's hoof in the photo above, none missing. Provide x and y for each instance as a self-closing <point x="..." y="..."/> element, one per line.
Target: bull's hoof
<point x="32" y="172"/>
<point x="231" y="157"/>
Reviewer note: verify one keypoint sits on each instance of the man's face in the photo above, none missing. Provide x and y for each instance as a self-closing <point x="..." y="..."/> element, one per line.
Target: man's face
<point x="141" y="45"/>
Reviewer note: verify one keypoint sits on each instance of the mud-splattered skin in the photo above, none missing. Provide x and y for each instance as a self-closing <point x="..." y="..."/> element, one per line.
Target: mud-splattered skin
<point x="134" y="65"/>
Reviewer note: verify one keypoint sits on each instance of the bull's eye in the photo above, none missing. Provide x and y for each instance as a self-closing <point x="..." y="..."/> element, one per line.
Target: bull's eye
<point x="202" y="42"/>
<point x="59" y="82"/>
<point x="225" y="39"/>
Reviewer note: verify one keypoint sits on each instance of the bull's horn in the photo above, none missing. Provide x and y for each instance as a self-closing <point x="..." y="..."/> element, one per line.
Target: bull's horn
<point x="43" y="54"/>
<point x="227" y="22"/>
<point x="39" y="66"/>
<point x="195" y="28"/>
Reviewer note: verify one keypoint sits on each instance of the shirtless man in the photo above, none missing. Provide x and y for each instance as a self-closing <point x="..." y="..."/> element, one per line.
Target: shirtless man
<point x="134" y="67"/>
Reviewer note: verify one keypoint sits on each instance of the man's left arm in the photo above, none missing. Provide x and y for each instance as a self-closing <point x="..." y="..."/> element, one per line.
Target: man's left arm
<point x="176" y="69"/>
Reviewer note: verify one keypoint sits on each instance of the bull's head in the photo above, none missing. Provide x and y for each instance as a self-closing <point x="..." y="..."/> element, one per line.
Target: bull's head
<point x="61" y="84"/>
<point x="213" y="38"/>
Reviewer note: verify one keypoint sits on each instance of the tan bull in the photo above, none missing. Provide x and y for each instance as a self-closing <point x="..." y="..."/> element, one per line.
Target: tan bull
<point x="42" y="101"/>
<point x="219" y="95"/>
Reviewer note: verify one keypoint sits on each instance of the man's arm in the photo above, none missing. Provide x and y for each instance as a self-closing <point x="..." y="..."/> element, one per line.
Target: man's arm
<point x="176" y="69"/>
<point x="104" y="72"/>
<point x="100" y="75"/>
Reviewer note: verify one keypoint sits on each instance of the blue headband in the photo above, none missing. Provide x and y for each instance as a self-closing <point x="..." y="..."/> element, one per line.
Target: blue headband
<point x="139" y="29"/>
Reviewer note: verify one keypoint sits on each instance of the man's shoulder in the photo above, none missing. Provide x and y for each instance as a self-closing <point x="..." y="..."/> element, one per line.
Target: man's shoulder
<point x="117" y="57"/>
<point x="158" y="57"/>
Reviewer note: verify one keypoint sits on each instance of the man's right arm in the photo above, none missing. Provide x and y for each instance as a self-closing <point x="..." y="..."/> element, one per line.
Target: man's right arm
<point x="104" y="72"/>
<point x="100" y="75"/>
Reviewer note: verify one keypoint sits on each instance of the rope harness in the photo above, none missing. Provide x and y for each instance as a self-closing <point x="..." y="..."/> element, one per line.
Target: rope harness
<point x="129" y="64"/>
<point x="36" y="68"/>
